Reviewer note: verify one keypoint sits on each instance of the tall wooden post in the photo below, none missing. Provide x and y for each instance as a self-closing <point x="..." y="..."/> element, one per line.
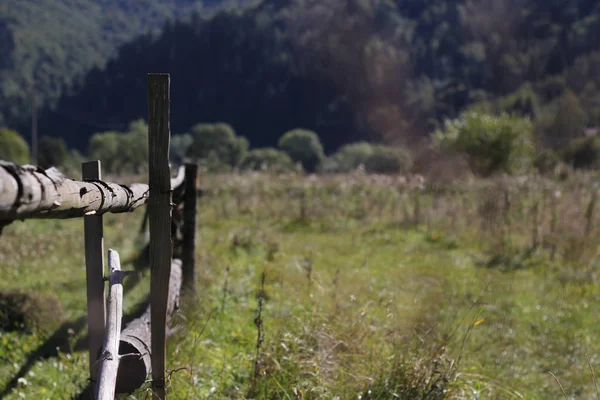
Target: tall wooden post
<point x="159" y="212"/>
<point x="188" y="248"/>
<point x="94" y="267"/>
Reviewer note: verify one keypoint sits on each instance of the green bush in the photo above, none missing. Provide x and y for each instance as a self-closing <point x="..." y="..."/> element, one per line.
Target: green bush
<point x="493" y="143"/>
<point x="105" y="147"/>
<point x="13" y="147"/>
<point x="524" y="102"/>
<point x="179" y="147"/>
<point x="269" y="159"/>
<point x="388" y="160"/>
<point x="52" y="152"/>
<point x="72" y="165"/>
<point x="547" y="160"/>
<point x="583" y="153"/>
<point x="350" y="156"/>
<point x="122" y="152"/>
<point x="27" y="311"/>
<point x="303" y="146"/>
<point x="134" y="147"/>
<point x="217" y="146"/>
<point x="568" y="121"/>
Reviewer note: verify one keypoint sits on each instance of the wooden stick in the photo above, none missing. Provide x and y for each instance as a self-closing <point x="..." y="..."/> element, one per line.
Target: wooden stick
<point x="136" y="340"/>
<point x="109" y="359"/>
<point x="159" y="209"/>
<point x="188" y="247"/>
<point x="94" y="275"/>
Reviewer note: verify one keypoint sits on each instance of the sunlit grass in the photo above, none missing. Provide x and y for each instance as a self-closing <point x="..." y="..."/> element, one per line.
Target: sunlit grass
<point x="358" y="299"/>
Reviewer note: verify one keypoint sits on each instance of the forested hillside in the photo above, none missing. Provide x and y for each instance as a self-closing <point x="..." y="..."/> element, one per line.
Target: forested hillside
<point x="350" y="69"/>
<point x="55" y="42"/>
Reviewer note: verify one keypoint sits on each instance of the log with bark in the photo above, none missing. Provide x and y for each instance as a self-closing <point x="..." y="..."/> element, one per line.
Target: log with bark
<point x="136" y="363"/>
<point x="31" y="192"/>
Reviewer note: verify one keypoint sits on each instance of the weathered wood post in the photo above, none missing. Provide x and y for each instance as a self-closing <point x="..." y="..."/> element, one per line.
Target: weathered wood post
<point x="109" y="359"/>
<point x="188" y="248"/>
<point x="94" y="263"/>
<point x="159" y="212"/>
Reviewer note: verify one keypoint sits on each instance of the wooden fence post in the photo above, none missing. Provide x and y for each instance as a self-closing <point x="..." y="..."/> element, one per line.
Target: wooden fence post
<point x="159" y="211"/>
<point x="188" y="248"/>
<point x="94" y="264"/>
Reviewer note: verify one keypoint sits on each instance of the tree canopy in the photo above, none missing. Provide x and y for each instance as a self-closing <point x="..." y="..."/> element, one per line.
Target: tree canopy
<point x="382" y="71"/>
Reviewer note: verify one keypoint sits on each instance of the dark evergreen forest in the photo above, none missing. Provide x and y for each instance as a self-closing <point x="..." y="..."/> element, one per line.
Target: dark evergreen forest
<point x="350" y="70"/>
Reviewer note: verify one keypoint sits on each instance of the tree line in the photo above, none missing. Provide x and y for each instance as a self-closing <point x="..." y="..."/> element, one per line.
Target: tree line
<point x="214" y="146"/>
<point x="384" y="72"/>
<point x="352" y="70"/>
<point x="486" y="143"/>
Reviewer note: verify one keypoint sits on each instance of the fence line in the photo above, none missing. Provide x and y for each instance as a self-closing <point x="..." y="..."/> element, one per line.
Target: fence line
<point x="31" y="192"/>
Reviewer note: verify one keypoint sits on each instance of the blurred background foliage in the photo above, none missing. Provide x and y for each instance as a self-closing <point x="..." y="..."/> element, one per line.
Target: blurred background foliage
<point x="385" y="72"/>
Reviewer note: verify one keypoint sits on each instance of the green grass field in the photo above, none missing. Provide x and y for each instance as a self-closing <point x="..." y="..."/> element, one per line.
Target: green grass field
<point x="373" y="289"/>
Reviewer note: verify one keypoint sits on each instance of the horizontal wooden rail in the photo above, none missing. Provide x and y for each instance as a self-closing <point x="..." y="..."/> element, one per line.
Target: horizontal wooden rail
<point x="31" y="192"/>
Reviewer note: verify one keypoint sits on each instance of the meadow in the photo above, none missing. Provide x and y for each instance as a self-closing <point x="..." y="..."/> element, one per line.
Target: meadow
<point x="341" y="287"/>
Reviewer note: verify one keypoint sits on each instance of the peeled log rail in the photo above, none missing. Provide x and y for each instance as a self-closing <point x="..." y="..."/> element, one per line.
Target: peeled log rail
<point x="135" y="345"/>
<point x="31" y="192"/>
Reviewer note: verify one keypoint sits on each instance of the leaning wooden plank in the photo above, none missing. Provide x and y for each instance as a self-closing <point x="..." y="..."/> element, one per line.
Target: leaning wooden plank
<point x="109" y="359"/>
<point x="136" y="362"/>
<point x="31" y="192"/>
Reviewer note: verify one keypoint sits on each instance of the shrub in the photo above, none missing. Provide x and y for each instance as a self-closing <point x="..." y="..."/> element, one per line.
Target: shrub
<point x="27" y="311"/>
<point x="134" y="147"/>
<point x="179" y="147"/>
<point x="546" y="161"/>
<point x="303" y="146"/>
<point x="583" y="153"/>
<point x="121" y="152"/>
<point x="13" y="147"/>
<point x="493" y="143"/>
<point x="568" y="122"/>
<point x="105" y="146"/>
<point x="217" y="146"/>
<point x="72" y="164"/>
<point x="52" y="152"/>
<point x="524" y="102"/>
<point x="267" y="159"/>
<point x="388" y="160"/>
<point x="350" y="156"/>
